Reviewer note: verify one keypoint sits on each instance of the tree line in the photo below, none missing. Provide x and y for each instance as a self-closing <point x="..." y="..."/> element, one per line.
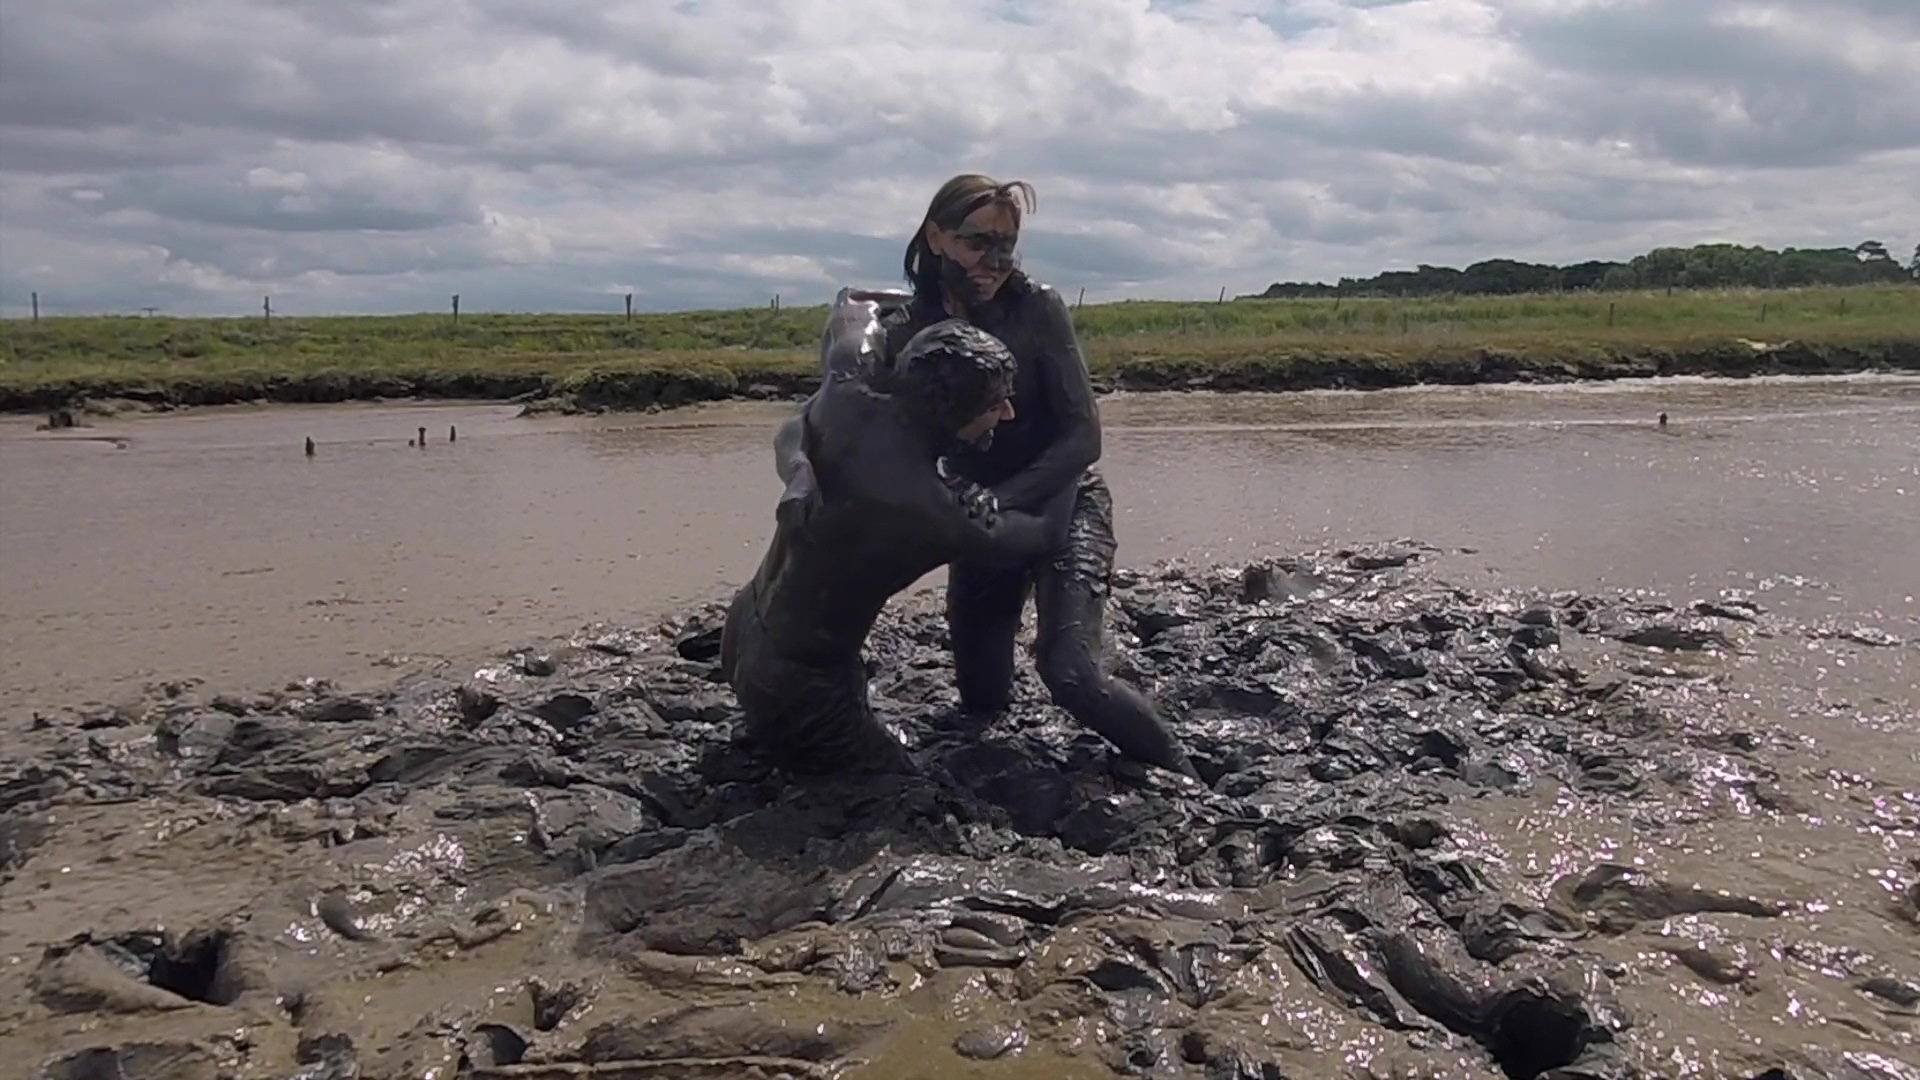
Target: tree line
<point x="1703" y="266"/>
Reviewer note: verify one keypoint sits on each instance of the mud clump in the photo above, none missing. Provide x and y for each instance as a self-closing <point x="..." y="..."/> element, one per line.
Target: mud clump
<point x="577" y="868"/>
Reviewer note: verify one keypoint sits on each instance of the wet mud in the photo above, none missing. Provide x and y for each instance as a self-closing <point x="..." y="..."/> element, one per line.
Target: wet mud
<point x="570" y="866"/>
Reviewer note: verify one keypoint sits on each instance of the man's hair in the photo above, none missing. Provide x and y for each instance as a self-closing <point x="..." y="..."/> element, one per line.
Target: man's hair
<point x="951" y="372"/>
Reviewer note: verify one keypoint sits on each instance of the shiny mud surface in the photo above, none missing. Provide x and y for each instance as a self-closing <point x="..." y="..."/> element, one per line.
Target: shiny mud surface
<point x="1630" y="788"/>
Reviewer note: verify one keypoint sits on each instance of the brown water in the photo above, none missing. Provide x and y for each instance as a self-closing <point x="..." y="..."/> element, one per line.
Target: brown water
<point x="208" y="545"/>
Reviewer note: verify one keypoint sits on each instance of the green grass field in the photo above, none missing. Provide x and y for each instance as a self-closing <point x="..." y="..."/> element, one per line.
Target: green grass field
<point x="1239" y="344"/>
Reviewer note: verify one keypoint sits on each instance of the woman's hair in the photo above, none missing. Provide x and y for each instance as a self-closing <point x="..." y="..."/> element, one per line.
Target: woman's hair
<point x="956" y="199"/>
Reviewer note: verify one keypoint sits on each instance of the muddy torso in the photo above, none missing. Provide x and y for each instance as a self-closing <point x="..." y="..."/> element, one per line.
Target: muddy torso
<point x="820" y="588"/>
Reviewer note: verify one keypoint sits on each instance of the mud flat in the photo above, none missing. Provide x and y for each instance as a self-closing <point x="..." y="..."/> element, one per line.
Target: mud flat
<point x="566" y="866"/>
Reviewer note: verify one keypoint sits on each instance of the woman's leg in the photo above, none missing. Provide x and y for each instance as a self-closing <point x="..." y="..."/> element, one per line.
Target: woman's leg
<point x="984" y="604"/>
<point x="1071" y="597"/>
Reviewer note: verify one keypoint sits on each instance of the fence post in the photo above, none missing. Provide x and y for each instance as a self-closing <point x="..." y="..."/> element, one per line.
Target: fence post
<point x="1609" y="313"/>
<point x="456" y="307"/>
<point x="266" y="308"/>
<point x="1082" y="300"/>
<point x="1763" y="313"/>
<point x="36" y="307"/>
<point x="629" y="307"/>
<point x="1223" y="295"/>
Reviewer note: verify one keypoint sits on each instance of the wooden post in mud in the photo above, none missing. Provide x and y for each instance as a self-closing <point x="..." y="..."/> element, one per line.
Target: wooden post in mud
<point x="423" y="438"/>
<point x="36" y="307"/>
<point x="309" y="446"/>
<point x="629" y="307"/>
<point x="456" y="307"/>
<point x="453" y="433"/>
<point x="266" y="308"/>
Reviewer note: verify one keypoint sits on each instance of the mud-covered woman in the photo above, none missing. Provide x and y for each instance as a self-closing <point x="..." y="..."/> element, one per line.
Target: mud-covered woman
<point x="961" y="263"/>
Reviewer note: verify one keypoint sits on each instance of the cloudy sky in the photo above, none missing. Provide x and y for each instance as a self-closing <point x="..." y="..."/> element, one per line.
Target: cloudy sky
<point x="380" y="155"/>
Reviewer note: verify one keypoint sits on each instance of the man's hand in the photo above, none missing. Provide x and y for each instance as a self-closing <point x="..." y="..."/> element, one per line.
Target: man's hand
<point x="800" y="503"/>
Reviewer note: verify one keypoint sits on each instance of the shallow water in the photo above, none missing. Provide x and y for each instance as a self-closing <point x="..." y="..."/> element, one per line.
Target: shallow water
<point x="207" y="544"/>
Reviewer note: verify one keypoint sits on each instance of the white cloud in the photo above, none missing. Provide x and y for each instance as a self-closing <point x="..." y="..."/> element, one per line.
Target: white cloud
<point x="383" y="154"/>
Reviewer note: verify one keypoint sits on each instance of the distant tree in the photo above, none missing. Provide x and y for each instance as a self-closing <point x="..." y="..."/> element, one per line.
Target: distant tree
<point x="1703" y="266"/>
<point x="1619" y="278"/>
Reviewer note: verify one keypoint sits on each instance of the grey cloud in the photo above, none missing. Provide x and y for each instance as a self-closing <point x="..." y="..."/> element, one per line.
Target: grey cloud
<point x="128" y="132"/>
<point x="1440" y="127"/>
<point x="48" y="150"/>
<point x="1663" y="74"/>
<point x="300" y="204"/>
<point x="669" y="48"/>
<point x="850" y="257"/>
<point x="88" y="67"/>
<point x="1094" y="259"/>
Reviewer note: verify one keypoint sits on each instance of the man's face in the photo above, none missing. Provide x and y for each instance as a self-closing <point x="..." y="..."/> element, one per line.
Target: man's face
<point x="980" y="426"/>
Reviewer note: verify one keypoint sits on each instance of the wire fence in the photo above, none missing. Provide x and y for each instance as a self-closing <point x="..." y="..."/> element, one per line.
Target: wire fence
<point x="777" y="324"/>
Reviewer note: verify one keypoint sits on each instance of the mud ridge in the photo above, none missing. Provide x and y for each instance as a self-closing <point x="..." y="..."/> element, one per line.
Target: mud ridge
<point x="568" y="865"/>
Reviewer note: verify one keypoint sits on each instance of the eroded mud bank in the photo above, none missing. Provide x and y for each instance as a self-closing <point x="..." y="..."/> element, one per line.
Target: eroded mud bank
<point x="567" y="866"/>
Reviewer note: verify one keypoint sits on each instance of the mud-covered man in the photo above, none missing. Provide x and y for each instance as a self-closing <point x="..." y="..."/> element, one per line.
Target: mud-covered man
<point x="868" y="511"/>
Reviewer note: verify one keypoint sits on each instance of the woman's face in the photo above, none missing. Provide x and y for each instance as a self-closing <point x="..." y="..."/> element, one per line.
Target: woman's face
<point x="980" y="250"/>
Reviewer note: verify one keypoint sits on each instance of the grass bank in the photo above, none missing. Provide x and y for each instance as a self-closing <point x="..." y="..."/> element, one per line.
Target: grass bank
<point x="664" y="360"/>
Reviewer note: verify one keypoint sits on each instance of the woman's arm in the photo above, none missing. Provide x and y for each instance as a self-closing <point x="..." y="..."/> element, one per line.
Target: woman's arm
<point x="1076" y="438"/>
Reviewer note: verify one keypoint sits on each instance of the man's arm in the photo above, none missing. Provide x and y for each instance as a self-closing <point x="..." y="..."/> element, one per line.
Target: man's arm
<point x="1076" y="440"/>
<point x="790" y="447"/>
<point x="854" y="342"/>
<point x="801" y="499"/>
<point x="971" y="525"/>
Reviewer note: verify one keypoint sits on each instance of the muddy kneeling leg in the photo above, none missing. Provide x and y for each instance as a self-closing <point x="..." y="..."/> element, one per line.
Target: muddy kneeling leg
<point x="1071" y="596"/>
<point x="809" y="718"/>
<point x="738" y="614"/>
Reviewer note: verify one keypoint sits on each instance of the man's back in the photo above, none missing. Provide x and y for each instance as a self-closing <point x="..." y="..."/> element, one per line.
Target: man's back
<point x="822" y="585"/>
